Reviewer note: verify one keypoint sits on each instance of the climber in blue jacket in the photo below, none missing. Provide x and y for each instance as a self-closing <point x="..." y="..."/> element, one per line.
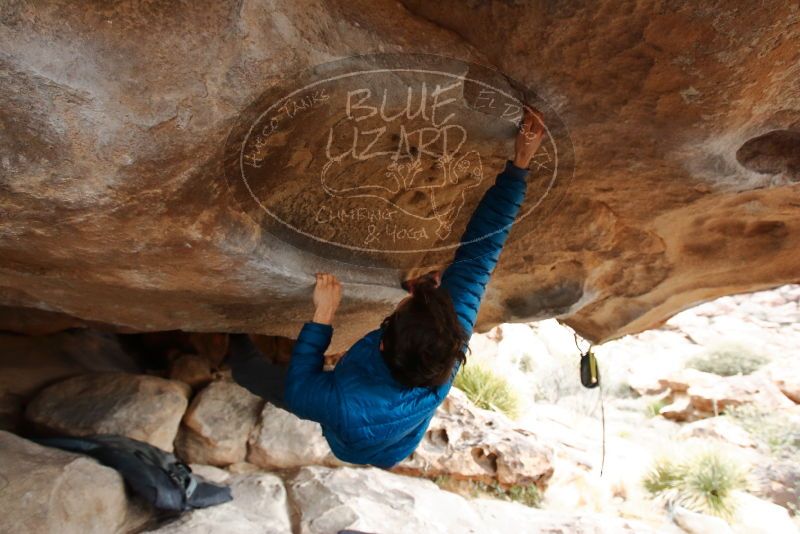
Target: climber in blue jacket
<point x="375" y="406"/>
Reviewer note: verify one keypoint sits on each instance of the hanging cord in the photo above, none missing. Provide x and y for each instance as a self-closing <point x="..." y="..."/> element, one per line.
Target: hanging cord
<point x="590" y="378"/>
<point x="603" y="419"/>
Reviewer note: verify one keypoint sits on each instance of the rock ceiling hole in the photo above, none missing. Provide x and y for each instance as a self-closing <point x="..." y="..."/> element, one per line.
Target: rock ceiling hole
<point x="776" y="152"/>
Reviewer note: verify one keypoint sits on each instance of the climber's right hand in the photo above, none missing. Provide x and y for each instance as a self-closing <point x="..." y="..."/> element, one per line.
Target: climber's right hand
<point x="529" y="137"/>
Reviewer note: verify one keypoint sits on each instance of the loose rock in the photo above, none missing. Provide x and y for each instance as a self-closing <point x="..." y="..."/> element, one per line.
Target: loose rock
<point x="757" y="516"/>
<point x="216" y="425"/>
<point x="696" y="395"/>
<point x="374" y="500"/>
<point x="721" y="428"/>
<point x="787" y="378"/>
<point x="697" y="523"/>
<point x="141" y="407"/>
<point x="469" y="443"/>
<point x="191" y="369"/>
<point x="258" y="507"/>
<point x="45" y="490"/>
<point x="283" y="440"/>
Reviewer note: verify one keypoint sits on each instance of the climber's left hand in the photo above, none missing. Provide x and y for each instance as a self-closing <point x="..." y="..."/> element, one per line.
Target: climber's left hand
<point x="327" y="295"/>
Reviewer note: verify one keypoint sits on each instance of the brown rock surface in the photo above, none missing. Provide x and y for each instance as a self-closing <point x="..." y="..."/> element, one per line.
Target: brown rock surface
<point x="141" y="407"/>
<point x="684" y="121"/>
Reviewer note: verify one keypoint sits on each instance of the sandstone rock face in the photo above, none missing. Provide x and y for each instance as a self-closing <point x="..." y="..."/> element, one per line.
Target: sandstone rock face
<point x="258" y="507"/>
<point x="283" y="440"/>
<point x="216" y="425"/>
<point x="469" y="443"/>
<point x="683" y="121"/>
<point x="48" y="490"/>
<point x="141" y="407"/>
<point x="373" y="500"/>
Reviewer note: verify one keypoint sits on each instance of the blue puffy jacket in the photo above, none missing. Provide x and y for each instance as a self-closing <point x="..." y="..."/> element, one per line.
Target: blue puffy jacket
<point x="366" y="415"/>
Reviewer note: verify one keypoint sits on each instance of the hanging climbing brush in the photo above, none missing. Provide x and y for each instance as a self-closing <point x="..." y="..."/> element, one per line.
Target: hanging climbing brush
<point x="590" y="376"/>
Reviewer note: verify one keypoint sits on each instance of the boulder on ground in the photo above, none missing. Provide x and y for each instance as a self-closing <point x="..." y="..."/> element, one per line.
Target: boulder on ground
<point x="697" y="523"/>
<point x="787" y="378"/>
<point x="681" y="381"/>
<point x="502" y="517"/>
<point x="470" y="443"/>
<point x="696" y="395"/>
<point x="30" y="363"/>
<point x="258" y="507"/>
<point x="573" y="487"/>
<point x="757" y="516"/>
<point x="735" y="390"/>
<point x="191" y="369"/>
<point x="44" y="490"/>
<point x="720" y="428"/>
<point x="680" y="409"/>
<point x="375" y="500"/>
<point x="141" y="407"/>
<point x="217" y="424"/>
<point x="779" y="483"/>
<point x="283" y="440"/>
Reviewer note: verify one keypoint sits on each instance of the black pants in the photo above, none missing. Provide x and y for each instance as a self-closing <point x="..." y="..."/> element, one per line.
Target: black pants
<point x="251" y="370"/>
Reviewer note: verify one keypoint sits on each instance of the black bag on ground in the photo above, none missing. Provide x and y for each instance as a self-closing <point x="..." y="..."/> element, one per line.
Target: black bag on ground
<point x="156" y="475"/>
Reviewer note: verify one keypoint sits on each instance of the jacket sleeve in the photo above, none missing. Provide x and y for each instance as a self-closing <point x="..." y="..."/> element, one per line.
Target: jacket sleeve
<point x="483" y="240"/>
<point x="311" y="393"/>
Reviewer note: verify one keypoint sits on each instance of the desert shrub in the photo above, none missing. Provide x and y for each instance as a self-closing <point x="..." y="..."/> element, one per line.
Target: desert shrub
<point x="653" y="408"/>
<point x="703" y="482"/>
<point x="708" y="482"/>
<point x="528" y="495"/>
<point x="556" y="381"/>
<point x="665" y="475"/>
<point x="525" y="363"/>
<point x="728" y="360"/>
<point x="775" y="429"/>
<point x="487" y="390"/>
